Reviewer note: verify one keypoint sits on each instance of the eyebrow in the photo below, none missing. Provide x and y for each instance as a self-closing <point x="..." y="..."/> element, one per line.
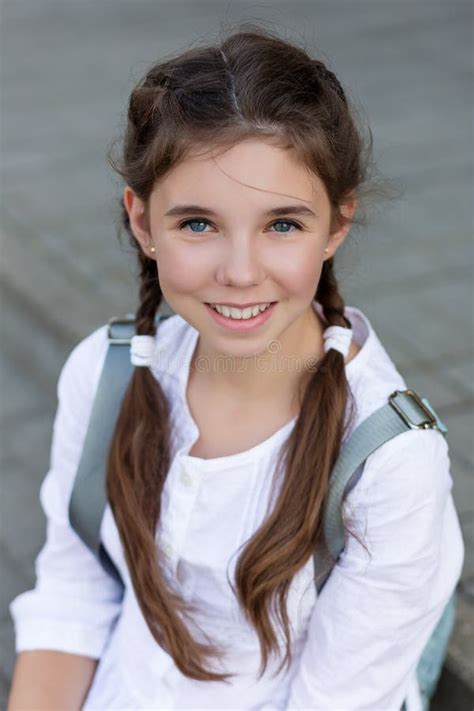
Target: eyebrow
<point x="274" y="212"/>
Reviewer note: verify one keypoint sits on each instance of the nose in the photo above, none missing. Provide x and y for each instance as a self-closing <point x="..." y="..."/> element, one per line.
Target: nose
<point x="241" y="264"/>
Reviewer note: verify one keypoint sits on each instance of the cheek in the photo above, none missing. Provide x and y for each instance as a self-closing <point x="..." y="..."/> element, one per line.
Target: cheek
<point x="299" y="268"/>
<point x="180" y="269"/>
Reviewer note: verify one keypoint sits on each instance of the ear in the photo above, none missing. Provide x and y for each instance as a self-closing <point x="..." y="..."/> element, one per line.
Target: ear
<point x="337" y="237"/>
<point x="138" y="217"/>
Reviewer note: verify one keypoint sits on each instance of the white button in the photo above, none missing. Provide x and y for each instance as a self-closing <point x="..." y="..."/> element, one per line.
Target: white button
<point x="168" y="548"/>
<point x="186" y="478"/>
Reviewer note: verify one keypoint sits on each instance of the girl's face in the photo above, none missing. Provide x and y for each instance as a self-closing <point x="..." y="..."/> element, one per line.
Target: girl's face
<point x="247" y="226"/>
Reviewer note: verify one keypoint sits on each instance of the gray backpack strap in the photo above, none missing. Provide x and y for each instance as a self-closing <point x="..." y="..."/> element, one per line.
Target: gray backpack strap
<point x="404" y="410"/>
<point x="88" y="497"/>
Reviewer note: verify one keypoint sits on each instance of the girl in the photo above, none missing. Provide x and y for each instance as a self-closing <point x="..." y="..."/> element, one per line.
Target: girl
<point x="243" y="169"/>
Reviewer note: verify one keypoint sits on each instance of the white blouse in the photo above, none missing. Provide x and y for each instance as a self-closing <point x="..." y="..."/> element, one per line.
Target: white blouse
<point x="354" y="647"/>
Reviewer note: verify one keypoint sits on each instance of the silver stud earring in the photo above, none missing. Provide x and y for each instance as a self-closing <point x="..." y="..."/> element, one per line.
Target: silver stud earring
<point x="326" y="250"/>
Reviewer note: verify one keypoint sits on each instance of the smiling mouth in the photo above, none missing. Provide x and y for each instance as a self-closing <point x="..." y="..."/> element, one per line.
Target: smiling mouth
<point x="241" y="315"/>
<point x="210" y="303"/>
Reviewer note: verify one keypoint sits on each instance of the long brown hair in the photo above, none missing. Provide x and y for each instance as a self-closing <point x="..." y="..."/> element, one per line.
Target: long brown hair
<point x="250" y="84"/>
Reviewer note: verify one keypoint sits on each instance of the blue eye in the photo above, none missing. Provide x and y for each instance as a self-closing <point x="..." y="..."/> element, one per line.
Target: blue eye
<point x="287" y="222"/>
<point x="195" y="222"/>
<point x="206" y="222"/>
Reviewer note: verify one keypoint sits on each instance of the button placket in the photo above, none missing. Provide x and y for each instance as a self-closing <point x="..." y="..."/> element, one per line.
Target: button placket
<point x="181" y="497"/>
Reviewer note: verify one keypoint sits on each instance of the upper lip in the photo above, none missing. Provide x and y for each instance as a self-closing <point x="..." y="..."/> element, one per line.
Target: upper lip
<point x="239" y="306"/>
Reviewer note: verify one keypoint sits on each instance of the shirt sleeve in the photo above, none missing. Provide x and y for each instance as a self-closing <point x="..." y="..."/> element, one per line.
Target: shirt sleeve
<point x="375" y="614"/>
<point x="75" y="602"/>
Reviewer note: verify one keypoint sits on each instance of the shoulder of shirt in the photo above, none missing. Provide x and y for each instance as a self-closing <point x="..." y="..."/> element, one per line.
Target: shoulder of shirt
<point x="394" y="462"/>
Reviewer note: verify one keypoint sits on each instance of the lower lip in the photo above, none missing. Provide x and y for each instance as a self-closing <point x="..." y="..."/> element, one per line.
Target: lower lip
<point x="241" y="325"/>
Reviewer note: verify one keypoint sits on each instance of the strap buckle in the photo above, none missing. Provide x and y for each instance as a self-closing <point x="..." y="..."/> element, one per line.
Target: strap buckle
<point x="408" y="409"/>
<point x="121" y="330"/>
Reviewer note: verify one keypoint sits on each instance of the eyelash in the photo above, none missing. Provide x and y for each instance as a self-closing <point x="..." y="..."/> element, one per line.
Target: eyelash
<point x="197" y="219"/>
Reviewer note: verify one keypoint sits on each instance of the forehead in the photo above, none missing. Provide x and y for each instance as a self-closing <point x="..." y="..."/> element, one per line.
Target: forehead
<point x="253" y="170"/>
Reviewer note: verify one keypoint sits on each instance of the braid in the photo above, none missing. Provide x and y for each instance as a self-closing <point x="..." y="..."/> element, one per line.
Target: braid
<point x="329" y="297"/>
<point x="150" y="296"/>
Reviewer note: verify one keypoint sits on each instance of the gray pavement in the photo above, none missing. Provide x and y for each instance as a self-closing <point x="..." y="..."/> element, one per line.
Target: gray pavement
<point x="67" y="68"/>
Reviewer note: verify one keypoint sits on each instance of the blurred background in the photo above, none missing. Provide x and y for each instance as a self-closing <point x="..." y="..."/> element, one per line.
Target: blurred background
<point x="67" y="69"/>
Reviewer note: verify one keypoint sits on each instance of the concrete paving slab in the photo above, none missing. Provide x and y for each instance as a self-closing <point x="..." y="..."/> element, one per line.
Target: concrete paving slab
<point x="14" y="582"/>
<point x="461" y="374"/>
<point x="429" y="382"/>
<point x="17" y="395"/>
<point x="21" y="481"/>
<point x="429" y="320"/>
<point x="460" y="428"/>
<point x="7" y="656"/>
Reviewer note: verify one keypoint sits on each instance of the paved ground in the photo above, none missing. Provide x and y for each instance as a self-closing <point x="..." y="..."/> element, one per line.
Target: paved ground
<point x="66" y="71"/>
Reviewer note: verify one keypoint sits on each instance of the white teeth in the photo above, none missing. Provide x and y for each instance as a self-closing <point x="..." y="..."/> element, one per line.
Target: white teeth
<point x="232" y="312"/>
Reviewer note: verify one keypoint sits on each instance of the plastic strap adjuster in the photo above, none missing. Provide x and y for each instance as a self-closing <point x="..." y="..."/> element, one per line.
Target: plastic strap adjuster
<point x="121" y="330"/>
